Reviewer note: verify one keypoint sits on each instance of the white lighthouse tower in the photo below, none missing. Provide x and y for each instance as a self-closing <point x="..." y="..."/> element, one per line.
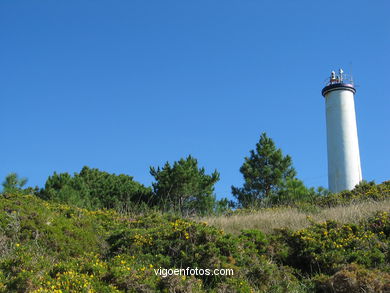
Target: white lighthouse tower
<point x="344" y="170"/>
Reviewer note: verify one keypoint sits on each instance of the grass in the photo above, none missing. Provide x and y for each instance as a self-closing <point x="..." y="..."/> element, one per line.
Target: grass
<point x="267" y="220"/>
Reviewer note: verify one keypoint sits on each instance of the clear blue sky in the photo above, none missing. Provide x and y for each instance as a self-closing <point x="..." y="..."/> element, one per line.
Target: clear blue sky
<point x="124" y="85"/>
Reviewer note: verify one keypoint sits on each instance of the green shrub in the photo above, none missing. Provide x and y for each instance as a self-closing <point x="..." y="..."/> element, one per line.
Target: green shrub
<point x="178" y="243"/>
<point x="256" y="238"/>
<point x="363" y="191"/>
<point x="328" y="246"/>
<point x="353" y="279"/>
<point x="379" y="224"/>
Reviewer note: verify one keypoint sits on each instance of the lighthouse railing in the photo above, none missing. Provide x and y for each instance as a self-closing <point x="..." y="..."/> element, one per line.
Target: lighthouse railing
<point x="340" y="78"/>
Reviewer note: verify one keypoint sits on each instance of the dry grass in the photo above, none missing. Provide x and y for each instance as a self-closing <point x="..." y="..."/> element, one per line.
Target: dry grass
<point x="269" y="219"/>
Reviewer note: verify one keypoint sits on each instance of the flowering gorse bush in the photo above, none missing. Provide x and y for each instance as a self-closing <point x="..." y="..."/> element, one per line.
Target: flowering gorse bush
<point x="326" y="247"/>
<point x="363" y="191"/>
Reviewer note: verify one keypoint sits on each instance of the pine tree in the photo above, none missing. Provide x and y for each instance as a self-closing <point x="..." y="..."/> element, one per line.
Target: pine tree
<point x="13" y="183"/>
<point x="265" y="172"/>
<point x="184" y="188"/>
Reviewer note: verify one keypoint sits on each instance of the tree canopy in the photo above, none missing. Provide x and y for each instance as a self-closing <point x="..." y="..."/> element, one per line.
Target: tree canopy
<point x="92" y="188"/>
<point x="13" y="183"/>
<point x="265" y="173"/>
<point x="183" y="187"/>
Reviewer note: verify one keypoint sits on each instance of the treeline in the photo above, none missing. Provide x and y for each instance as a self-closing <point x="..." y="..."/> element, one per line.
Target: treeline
<point x="182" y="187"/>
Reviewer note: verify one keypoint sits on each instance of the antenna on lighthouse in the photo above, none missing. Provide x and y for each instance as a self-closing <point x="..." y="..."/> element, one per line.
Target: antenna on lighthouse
<point x="341" y="74"/>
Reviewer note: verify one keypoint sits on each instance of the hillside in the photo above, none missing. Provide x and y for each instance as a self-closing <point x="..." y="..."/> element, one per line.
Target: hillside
<point x="49" y="247"/>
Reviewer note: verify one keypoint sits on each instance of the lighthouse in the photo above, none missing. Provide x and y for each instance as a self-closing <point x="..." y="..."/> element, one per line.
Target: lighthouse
<point x="344" y="170"/>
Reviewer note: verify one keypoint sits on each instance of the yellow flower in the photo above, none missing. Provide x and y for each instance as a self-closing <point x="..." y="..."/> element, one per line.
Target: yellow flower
<point x="17" y="244"/>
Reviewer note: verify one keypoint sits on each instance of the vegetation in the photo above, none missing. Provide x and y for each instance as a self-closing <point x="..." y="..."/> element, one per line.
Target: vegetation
<point x="13" y="183"/>
<point x="94" y="189"/>
<point x="184" y="187"/>
<point x="101" y="232"/>
<point x="268" y="220"/>
<point x="46" y="246"/>
<point x="267" y="173"/>
<point x="361" y="193"/>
